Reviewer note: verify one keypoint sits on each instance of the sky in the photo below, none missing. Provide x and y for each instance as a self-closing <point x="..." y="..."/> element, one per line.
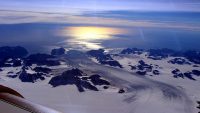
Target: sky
<point x="147" y="22"/>
<point x="101" y="5"/>
<point x="103" y="12"/>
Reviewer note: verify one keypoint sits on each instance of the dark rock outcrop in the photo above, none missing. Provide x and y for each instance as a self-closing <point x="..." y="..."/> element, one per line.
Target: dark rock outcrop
<point x="85" y="84"/>
<point x="12" y="62"/>
<point x="27" y="77"/>
<point x="133" y="67"/>
<point x="196" y="72"/>
<point x="72" y="77"/>
<point x="41" y="59"/>
<point x="96" y="80"/>
<point x="177" y="73"/>
<point x="7" y="52"/>
<point x="159" y="54"/>
<point x="132" y="51"/>
<point x="121" y="91"/>
<point x="11" y="74"/>
<point x="141" y="72"/>
<point x="42" y="70"/>
<point x="198" y="106"/>
<point x="105" y="87"/>
<point x="112" y="63"/>
<point x="17" y="62"/>
<point x="179" y="61"/>
<point x="143" y="66"/>
<point x="156" y="72"/>
<point x="99" y="55"/>
<point x="193" y="56"/>
<point x="59" y="51"/>
<point x="103" y="58"/>
<point x="78" y="78"/>
<point x="195" y="66"/>
<point x="190" y="75"/>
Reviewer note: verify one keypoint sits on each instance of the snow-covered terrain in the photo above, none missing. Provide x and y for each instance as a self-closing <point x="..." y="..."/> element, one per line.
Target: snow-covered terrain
<point x="127" y="81"/>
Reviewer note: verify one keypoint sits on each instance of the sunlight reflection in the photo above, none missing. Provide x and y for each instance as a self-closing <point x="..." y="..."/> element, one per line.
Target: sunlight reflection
<point x="91" y="37"/>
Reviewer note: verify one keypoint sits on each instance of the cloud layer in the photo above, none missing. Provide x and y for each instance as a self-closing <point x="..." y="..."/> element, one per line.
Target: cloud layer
<point x="187" y="21"/>
<point x="101" y="5"/>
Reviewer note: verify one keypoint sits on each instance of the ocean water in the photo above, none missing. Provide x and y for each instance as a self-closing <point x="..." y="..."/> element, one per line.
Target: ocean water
<point x="42" y="37"/>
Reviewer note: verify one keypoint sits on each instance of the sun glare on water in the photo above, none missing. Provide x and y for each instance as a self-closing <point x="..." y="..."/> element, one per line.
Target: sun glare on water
<point x="89" y="36"/>
<point x="92" y="33"/>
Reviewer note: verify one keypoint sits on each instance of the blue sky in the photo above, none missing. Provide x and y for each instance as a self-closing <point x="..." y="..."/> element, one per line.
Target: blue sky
<point x="129" y="13"/>
<point x="99" y="5"/>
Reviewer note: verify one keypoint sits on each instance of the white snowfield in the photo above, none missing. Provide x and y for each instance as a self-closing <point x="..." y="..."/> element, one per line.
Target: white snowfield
<point x="144" y="94"/>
